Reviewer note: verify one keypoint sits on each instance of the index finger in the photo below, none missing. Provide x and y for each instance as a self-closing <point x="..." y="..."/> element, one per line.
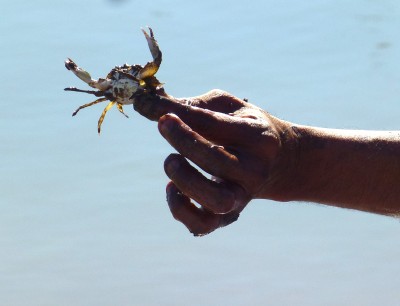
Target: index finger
<point x="217" y="127"/>
<point x="153" y="106"/>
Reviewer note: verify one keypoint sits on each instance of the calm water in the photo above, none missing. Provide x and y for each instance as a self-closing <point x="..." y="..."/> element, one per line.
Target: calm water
<point x="83" y="219"/>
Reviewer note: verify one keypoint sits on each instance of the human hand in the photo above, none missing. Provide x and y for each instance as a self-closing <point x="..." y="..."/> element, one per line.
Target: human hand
<point x="248" y="152"/>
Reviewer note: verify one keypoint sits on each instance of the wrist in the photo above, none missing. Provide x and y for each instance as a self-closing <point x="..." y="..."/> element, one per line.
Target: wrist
<point x="311" y="171"/>
<point x="323" y="166"/>
<point x="346" y="168"/>
<point x="310" y="163"/>
<point x="281" y="184"/>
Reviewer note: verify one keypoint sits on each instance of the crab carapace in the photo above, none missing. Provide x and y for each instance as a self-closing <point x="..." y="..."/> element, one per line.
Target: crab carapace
<point x="123" y="83"/>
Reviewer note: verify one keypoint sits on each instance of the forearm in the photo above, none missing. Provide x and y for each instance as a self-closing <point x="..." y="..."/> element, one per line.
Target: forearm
<point x="351" y="169"/>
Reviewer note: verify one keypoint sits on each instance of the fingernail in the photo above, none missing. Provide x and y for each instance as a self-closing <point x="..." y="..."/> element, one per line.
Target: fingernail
<point x="170" y="187"/>
<point x="165" y="124"/>
<point x="168" y="190"/>
<point x="140" y="101"/>
<point x="171" y="166"/>
<point x="144" y="107"/>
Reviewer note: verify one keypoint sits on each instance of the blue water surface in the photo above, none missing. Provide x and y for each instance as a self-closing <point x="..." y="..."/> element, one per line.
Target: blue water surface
<point x="83" y="218"/>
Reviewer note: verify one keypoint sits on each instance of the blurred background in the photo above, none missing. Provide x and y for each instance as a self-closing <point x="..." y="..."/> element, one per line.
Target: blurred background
<point x="83" y="218"/>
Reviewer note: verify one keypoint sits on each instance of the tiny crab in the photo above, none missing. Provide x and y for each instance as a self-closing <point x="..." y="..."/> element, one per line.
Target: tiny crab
<point x="123" y="83"/>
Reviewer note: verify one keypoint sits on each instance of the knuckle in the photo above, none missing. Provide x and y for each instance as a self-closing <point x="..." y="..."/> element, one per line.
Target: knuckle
<point x="177" y="212"/>
<point x="217" y="92"/>
<point x="228" y="218"/>
<point x="215" y="95"/>
<point x="224" y="202"/>
<point x="204" y="226"/>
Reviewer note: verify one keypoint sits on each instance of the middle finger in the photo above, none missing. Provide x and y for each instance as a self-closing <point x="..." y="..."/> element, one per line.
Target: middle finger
<point x="211" y="158"/>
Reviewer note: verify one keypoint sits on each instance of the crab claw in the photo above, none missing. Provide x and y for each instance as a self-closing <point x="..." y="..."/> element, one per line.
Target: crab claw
<point x="151" y="68"/>
<point x="78" y="71"/>
<point x="153" y="46"/>
<point x="100" y="84"/>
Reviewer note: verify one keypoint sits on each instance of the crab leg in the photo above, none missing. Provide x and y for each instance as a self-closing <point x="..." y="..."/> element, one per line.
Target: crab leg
<point x="100" y="84"/>
<point x="119" y="106"/>
<point x="78" y="71"/>
<point x="109" y="105"/>
<point x="92" y="92"/>
<point x="153" y="46"/>
<point x="151" y="68"/>
<point x="89" y="104"/>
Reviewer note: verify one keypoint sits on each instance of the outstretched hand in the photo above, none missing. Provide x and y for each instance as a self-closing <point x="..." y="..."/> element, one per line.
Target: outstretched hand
<point x="246" y="151"/>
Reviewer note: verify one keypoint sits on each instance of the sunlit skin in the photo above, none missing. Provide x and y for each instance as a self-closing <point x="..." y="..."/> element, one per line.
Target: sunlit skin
<point x="253" y="155"/>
